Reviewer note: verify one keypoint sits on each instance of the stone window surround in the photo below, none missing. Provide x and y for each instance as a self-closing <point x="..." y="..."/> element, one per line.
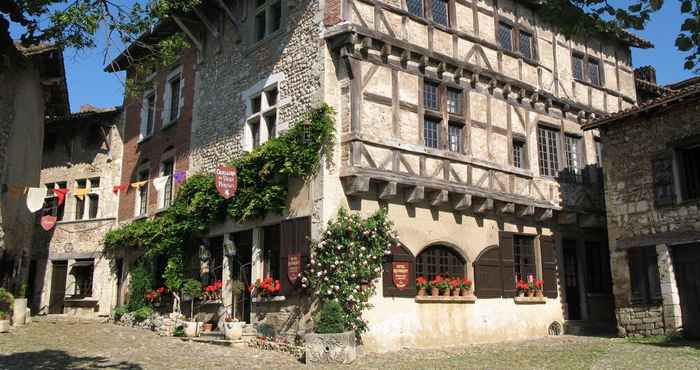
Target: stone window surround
<point x="94" y="191"/>
<point x="167" y="96"/>
<point x="252" y="11"/>
<point x="274" y="81"/>
<point x="678" y="176"/>
<point x="50" y="197"/>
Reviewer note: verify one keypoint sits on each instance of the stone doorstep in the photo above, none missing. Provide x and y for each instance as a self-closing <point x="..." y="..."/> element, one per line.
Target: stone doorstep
<point x="214" y="341"/>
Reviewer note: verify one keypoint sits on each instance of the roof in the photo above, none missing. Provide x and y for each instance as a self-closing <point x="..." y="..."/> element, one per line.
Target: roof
<point x="47" y="59"/>
<point x="84" y="117"/>
<point x="690" y="90"/>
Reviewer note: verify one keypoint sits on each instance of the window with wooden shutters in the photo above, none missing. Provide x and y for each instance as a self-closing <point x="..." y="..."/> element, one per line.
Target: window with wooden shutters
<point x="487" y="273"/>
<point x="508" y="265"/>
<point x="549" y="266"/>
<point x="399" y="253"/>
<point x="644" y="275"/>
<point x="294" y="239"/>
<point x="662" y="171"/>
<point x="440" y="260"/>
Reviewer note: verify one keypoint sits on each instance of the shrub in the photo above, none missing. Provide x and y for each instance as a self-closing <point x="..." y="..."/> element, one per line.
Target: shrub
<point x="6" y="300"/>
<point x="330" y="319"/>
<point x="3" y="315"/>
<point x="193" y="289"/>
<point x="120" y="311"/>
<point x="179" y="331"/>
<point x="141" y="283"/>
<point x="142" y="313"/>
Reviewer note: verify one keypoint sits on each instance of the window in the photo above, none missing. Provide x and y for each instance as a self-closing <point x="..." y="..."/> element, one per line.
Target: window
<point x="80" y="200"/>
<point x="689" y="171"/>
<point x="573" y="155"/>
<point x="519" y="153"/>
<point x="454" y="98"/>
<point x="415" y="7"/>
<point x="255" y="133"/>
<point x="268" y="18"/>
<point x="644" y="275"/>
<point x="174" y="98"/>
<point x="525" y="45"/>
<point x="271" y="251"/>
<point x="82" y="271"/>
<point x="262" y="120"/>
<point x="430" y="96"/>
<point x="167" y="170"/>
<point x="142" y="199"/>
<point x="593" y="72"/>
<point x="150" y="114"/>
<point x="94" y="205"/>
<point x="440" y="260"/>
<point x="271" y="122"/>
<point x="505" y="36"/>
<point x="598" y="152"/>
<point x="51" y="207"/>
<point x="598" y="265"/>
<point x="256" y="104"/>
<point x="440" y="13"/>
<point x="524" y="257"/>
<point x="547" y="142"/>
<point x="577" y="67"/>
<point x="455" y="138"/>
<point x="430" y="132"/>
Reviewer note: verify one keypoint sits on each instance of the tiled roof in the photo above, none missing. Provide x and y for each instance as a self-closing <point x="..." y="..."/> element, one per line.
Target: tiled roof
<point x="85" y="115"/>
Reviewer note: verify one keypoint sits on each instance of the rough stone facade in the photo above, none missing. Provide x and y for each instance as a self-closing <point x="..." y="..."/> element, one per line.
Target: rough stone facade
<point x="82" y="149"/>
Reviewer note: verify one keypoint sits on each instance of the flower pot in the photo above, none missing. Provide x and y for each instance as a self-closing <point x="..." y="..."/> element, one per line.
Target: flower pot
<point x="464" y="292"/>
<point x="434" y="292"/>
<point x="4" y="326"/>
<point x="19" y="311"/>
<point x="207" y="327"/>
<point x="521" y="294"/>
<point x="446" y="292"/>
<point x="192" y="328"/>
<point x="530" y="293"/>
<point x="233" y="330"/>
<point x="455" y="292"/>
<point x="539" y="294"/>
<point x="421" y="292"/>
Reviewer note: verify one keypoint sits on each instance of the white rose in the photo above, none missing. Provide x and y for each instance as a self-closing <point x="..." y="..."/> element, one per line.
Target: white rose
<point x="329" y="292"/>
<point x="319" y="273"/>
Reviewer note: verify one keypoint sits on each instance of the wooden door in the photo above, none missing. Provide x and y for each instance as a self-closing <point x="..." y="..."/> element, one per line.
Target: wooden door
<point x="573" y="298"/>
<point x="58" y="286"/>
<point x="686" y="264"/>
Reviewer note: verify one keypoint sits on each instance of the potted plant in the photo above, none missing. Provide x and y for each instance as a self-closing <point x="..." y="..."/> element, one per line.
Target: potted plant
<point x="212" y="293"/>
<point x="465" y="287"/>
<point x="455" y="286"/>
<point x="422" y="285"/>
<point x="192" y="289"/>
<point x="233" y="329"/>
<point x="522" y="286"/>
<point x="267" y="287"/>
<point x="539" y="285"/>
<point x="4" y="322"/>
<point x="438" y="285"/>
<point x="19" y="308"/>
<point x="332" y="341"/>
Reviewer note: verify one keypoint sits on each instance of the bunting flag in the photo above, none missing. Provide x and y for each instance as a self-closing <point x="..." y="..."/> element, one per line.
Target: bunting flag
<point x="80" y="193"/>
<point x="35" y="199"/>
<point x="180" y="176"/>
<point x="16" y="191"/>
<point x="116" y="189"/>
<point x="60" y="195"/>
<point x="48" y="222"/>
<point x="159" y="183"/>
<point x="139" y="184"/>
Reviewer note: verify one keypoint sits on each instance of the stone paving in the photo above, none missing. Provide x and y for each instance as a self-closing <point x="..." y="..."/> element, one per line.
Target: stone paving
<point x="65" y="344"/>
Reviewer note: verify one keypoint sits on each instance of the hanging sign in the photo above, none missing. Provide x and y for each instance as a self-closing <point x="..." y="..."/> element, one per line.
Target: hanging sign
<point x="48" y="222"/>
<point x="226" y="181"/>
<point x="293" y="267"/>
<point x="400" y="274"/>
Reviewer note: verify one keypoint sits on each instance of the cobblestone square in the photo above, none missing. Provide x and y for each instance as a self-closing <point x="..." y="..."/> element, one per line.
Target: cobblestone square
<point x="62" y="344"/>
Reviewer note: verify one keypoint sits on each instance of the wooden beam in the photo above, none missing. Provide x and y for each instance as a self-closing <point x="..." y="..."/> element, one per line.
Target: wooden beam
<point x="524" y="211"/>
<point x="546" y="214"/>
<point x="357" y="185"/>
<point x="483" y="206"/>
<point x="188" y="32"/>
<point x="439" y="198"/>
<point x="415" y="194"/>
<point x="462" y="202"/>
<point x="206" y="22"/>
<point x="388" y="190"/>
<point x="506" y="208"/>
<point x="232" y="18"/>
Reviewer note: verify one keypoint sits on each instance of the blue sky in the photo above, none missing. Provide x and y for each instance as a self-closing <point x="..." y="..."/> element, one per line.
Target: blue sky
<point x="89" y="84"/>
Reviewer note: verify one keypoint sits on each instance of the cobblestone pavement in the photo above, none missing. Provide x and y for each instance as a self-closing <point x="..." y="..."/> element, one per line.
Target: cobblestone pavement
<point x="61" y="344"/>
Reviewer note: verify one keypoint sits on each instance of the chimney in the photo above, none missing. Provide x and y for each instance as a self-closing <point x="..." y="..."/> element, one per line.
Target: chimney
<point x="646" y="73"/>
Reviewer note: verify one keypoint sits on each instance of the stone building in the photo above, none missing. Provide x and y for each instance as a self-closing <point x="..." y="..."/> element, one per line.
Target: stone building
<point x="30" y="91"/>
<point x="70" y="272"/>
<point x="462" y="118"/>
<point x="652" y="168"/>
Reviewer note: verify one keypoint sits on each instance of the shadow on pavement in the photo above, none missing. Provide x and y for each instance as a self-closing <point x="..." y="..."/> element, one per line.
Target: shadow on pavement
<point x="673" y="342"/>
<point x="49" y="359"/>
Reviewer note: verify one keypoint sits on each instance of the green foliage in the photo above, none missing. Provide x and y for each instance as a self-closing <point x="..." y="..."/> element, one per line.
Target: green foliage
<point x="346" y="260"/>
<point x="141" y="283"/>
<point x="179" y="331"/>
<point x="237" y="287"/>
<point x="6" y="298"/>
<point x="142" y="313"/>
<point x="22" y="291"/>
<point x="330" y="319"/>
<point x="192" y="288"/>
<point x="3" y="315"/>
<point x="119" y="311"/>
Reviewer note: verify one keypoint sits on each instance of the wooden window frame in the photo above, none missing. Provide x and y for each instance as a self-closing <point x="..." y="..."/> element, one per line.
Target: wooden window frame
<point x="520" y="270"/>
<point x="515" y="31"/>
<point x="448" y="17"/>
<point x="520" y="146"/>
<point x="644" y="271"/>
<point x="142" y="192"/>
<point x="688" y="171"/>
<point x="459" y="148"/>
<point x="411" y="9"/>
<point x="428" y="121"/>
<point x="547" y="157"/>
<point x="586" y="60"/>
<point x="265" y="10"/>
<point x="445" y="260"/>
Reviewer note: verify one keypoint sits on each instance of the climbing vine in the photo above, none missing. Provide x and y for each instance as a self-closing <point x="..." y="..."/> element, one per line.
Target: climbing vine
<point x="263" y="176"/>
<point x="346" y="260"/>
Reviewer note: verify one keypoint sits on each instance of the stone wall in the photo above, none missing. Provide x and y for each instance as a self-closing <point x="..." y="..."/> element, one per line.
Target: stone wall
<point x="640" y="320"/>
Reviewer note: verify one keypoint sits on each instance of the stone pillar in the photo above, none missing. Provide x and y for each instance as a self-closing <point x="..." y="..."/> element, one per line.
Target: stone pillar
<point x="256" y="268"/>
<point x="669" y="290"/>
<point x="226" y="293"/>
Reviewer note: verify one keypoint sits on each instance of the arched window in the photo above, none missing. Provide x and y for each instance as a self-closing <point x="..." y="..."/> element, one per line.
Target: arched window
<point x="442" y="260"/>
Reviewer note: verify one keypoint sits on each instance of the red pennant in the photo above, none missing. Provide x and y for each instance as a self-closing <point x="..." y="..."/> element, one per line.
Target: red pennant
<point x="116" y="189"/>
<point x="48" y="222"/>
<point x="60" y="194"/>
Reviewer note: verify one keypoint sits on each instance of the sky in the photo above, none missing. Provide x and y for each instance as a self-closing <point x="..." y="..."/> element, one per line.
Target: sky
<point x="88" y="83"/>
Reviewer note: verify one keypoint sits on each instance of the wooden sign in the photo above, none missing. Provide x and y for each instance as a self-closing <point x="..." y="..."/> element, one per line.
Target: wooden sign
<point x="293" y="267"/>
<point x="226" y="181"/>
<point x="48" y="222"/>
<point x="401" y="274"/>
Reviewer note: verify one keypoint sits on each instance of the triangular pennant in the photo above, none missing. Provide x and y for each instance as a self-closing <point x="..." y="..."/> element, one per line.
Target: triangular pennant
<point x="48" y="222"/>
<point x="60" y="195"/>
<point x="180" y="176"/>
<point x="116" y="189"/>
<point x="160" y="182"/>
<point x="80" y="193"/>
<point x="35" y="199"/>
<point x="139" y="184"/>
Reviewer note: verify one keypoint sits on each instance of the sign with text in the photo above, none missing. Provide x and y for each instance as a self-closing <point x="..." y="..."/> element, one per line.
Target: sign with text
<point x="226" y="181"/>
<point x="48" y="222"/>
<point x="293" y="267"/>
<point x="401" y="274"/>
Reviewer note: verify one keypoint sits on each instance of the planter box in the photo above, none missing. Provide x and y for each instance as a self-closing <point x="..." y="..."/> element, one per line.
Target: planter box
<point x="446" y="299"/>
<point x="336" y="348"/>
<point x="530" y="300"/>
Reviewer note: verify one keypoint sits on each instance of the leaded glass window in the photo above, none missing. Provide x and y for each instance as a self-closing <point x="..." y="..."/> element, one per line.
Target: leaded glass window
<point x="440" y="14"/>
<point x="430" y="132"/>
<point x="415" y="7"/>
<point x="430" y="96"/>
<point x="505" y="36"/>
<point x="547" y="142"/>
<point x="455" y="138"/>
<point x="525" y="45"/>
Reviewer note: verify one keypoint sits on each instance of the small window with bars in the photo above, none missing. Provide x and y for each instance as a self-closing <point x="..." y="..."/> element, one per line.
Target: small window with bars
<point x="440" y="13"/>
<point x="525" y="45"/>
<point x="455" y="138"/>
<point x="415" y="7"/>
<point x="577" y="66"/>
<point x="431" y="130"/>
<point x="431" y="97"/>
<point x="454" y="101"/>
<point x="594" y="71"/>
<point x="505" y="36"/>
<point x="689" y="171"/>
<point x="518" y="153"/>
<point x="548" y="148"/>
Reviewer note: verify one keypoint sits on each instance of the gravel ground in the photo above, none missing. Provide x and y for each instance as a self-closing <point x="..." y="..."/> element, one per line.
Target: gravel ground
<point x="64" y="344"/>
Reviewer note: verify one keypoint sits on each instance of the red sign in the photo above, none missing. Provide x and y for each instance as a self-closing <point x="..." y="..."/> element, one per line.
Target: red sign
<point x="48" y="222"/>
<point x="293" y="267"/>
<point x="400" y="274"/>
<point x="226" y="181"/>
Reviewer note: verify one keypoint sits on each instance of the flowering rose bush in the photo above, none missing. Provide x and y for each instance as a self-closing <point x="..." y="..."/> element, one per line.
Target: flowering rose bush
<point x="345" y="261"/>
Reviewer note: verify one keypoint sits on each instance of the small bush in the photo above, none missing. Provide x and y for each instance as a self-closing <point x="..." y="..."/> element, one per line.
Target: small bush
<point x="120" y="311"/>
<point x="179" y="331"/>
<point x="330" y="319"/>
<point x="3" y="315"/>
<point x="142" y="313"/>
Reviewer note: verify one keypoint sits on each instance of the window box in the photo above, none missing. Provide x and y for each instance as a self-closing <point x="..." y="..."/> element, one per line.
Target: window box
<point x="530" y="300"/>
<point x="277" y="298"/>
<point x="446" y="299"/>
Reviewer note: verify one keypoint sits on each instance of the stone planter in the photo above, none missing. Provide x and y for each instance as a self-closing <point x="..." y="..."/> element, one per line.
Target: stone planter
<point x="19" y="311"/>
<point x="233" y="330"/>
<point x="192" y="328"/>
<point x="336" y="348"/>
<point x="4" y="326"/>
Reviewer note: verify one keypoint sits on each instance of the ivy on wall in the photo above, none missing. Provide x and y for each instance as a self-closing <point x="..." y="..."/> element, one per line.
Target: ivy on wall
<point x="263" y="177"/>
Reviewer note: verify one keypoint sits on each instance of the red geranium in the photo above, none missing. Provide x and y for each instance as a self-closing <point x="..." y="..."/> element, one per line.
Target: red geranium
<point x="465" y="283"/>
<point x="539" y="283"/>
<point x="212" y="292"/>
<point x="422" y="282"/>
<point x="267" y="286"/>
<point x="455" y="283"/>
